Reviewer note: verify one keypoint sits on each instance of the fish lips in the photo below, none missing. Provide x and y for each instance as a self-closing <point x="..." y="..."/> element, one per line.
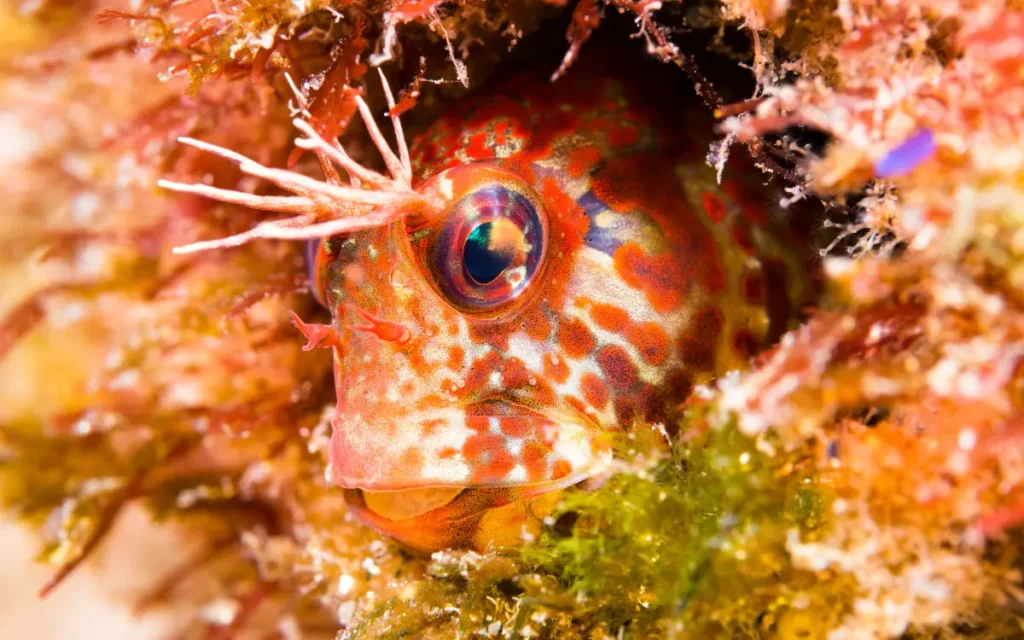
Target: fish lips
<point x="492" y="444"/>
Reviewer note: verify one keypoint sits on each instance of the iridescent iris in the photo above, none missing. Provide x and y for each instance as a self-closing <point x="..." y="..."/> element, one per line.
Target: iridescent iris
<point x="490" y="248"/>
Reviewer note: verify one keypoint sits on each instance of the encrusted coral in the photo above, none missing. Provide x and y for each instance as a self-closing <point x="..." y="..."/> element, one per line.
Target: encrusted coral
<point x="865" y="478"/>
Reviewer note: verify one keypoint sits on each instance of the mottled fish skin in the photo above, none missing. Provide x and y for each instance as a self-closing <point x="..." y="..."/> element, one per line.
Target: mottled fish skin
<point x="652" y="278"/>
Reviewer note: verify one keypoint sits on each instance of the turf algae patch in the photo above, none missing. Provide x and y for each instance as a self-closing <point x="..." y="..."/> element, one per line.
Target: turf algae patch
<point x="687" y="541"/>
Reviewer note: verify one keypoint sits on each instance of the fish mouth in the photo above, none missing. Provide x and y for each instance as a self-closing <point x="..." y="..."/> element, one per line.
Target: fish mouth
<point x="454" y="517"/>
<point x="402" y="504"/>
<point x="474" y="479"/>
<point x="411" y="462"/>
<point x="408" y="503"/>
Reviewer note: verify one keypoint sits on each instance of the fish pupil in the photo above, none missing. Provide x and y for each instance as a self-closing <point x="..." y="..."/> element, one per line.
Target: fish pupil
<point x="485" y="255"/>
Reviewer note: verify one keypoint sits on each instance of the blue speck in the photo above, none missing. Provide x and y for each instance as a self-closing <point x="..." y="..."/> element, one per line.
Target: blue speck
<point x="905" y="157"/>
<point x="601" y="238"/>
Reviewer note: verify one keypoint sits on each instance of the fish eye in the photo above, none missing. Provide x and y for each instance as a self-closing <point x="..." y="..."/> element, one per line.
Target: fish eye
<point x="490" y="248"/>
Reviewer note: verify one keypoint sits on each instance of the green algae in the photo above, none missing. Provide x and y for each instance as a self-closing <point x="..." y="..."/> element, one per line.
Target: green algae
<point x="688" y="541"/>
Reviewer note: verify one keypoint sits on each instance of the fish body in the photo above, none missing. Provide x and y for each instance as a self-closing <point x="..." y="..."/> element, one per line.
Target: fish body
<point x="585" y="271"/>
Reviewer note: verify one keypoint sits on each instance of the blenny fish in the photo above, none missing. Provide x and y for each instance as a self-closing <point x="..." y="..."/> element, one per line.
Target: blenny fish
<point x="548" y="264"/>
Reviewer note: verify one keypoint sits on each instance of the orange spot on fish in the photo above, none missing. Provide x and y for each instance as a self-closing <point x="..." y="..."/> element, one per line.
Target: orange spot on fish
<point x="430" y="427"/>
<point x="499" y="465"/>
<point x="412" y="462"/>
<point x="543" y="393"/>
<point x="698" y="346"/>
<point x="593" y="391"/>
<point x="561" y="469"/>
<point x="515" y="426"/>
<point x="515" y="375"/>
<point x="662" y="278"/>
<point x="479" y="374"/>
<point x="555" y="368"/>
<point x="608" y="317"/>
<point x="619" y="370"/>
<point x="456" y="355"/>
<point x="496" y="335"/>
<point x="650" y="340"/>
<point x="575" y="338"/>
<point x="537" y="325"/>
<point x="582" y="160"/>
<point x="535" y="461"/>
<point x="480" y="424"/>
<point x="486" y="453"/>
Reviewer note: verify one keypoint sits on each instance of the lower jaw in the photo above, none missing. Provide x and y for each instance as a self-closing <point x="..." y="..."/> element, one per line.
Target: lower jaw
<point x="428" y="520"/>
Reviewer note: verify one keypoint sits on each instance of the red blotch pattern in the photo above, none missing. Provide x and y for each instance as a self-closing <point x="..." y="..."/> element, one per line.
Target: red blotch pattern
<point x="535" y="459"/>
<point x="622" y="135"/>
<point x="753" y="287"/>
<point x="482" y="445"/>
<point x="678" y="384"/>
<point x="514" y="374"/>
<point x="412" y="462"/>
<point x="479" y="374"/>
<point x="583" y="159"/>
<point x="650" y="340"/>
<point x="617" y="367"/>
<point x="515" y="426"/>
<point x="699" y="346"/>
<point x="575" y="338"/>
<point x="662" y="279"/>
<point x="609" y="317"/>
<point x="456" y="356"/>
<point x="594" y="391"/>
<point x="499" y="465"/>
<point x="537" y="325"/>
<point x="555" y="368"/>
<point x="561" y="469"/>
<point x="430" y="427"/>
